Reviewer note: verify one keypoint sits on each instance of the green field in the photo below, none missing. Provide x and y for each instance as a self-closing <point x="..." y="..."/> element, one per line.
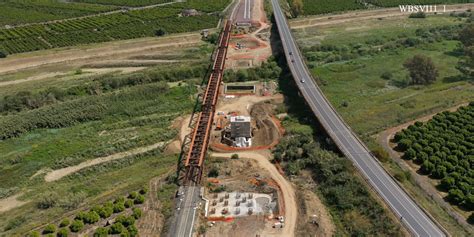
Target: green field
<point x="86" y="118"/>
<point x="359" y="66"/>
<point x="352" y="58"/>
<point x="117" y="26"/>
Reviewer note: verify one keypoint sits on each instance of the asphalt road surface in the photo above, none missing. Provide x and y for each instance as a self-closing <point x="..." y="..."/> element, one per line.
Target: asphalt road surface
<point x="416" y="221"/>
<point x="185" y="214"/>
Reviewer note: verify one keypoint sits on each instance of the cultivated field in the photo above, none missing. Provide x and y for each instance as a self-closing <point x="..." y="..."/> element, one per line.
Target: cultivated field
<point x="121" y="25"/>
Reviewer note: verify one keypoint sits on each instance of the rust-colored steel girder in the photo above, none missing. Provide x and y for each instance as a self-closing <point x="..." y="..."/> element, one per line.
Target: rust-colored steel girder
<point x="200" y="136"/>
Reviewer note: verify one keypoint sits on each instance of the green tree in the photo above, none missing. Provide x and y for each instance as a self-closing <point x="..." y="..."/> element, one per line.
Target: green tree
<point x="116" y="228"/>
<point x="132" y="230"/>
<point x="409" y="154"/>
<point x="137" y="213"/>
<point x="64" y="223"/>
<point x="63" y="232"/>
<point x="144" y="190"/>
<point x="297" y="7"/>
<point x="101" y="232"/>
<point x="448" y="182"/>
<point x="76" y="226"/>
<point x="133" y="195"/>
<point x="139" y="200"/>
<point x="119" y="207"/>
<point x="466" y="36"/>
<point x="33" y="234"/>
<point x="466" y="64"/>
<point x="3" y="55"/>
<point x="456" y="196"/>
<point x="422" y="70"/>
<point x="128" y="203"/>
<point x="49" y="229"/>
<point x="160" y="32"/>
<point x="91" y="217"/>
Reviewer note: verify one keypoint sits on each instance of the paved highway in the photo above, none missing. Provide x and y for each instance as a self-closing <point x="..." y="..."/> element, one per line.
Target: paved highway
<point x="416" y="221"/>
<point x="185" y="214"/>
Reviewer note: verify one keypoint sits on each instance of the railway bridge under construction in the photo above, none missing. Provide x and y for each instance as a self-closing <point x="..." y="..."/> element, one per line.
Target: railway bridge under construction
<point x="195" y="145"/>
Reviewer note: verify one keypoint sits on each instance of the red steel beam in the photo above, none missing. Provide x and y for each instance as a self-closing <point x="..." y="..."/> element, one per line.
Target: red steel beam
<point x="197" y="151"/>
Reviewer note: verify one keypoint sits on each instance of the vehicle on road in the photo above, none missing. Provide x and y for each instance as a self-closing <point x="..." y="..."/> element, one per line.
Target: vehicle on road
<point x="302" y="80"/>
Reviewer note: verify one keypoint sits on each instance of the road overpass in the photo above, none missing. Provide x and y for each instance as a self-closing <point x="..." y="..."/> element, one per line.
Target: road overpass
<point x="410" y="214"/>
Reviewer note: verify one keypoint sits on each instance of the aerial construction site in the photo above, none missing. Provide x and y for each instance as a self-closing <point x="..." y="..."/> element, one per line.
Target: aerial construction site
<point x="236" y="118"/>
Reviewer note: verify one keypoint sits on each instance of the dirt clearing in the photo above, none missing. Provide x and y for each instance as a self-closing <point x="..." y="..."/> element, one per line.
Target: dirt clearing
<point x="11" y="202"/>
<point x="289" y="197"/>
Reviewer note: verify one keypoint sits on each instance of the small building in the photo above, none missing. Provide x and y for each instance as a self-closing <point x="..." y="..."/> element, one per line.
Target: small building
<point x="241" y="131"/>
<point x="189" y="12"/>
<point x="240" y="127"/>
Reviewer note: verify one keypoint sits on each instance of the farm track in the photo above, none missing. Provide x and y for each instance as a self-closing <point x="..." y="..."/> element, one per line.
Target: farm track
<point x="96" y="52"/>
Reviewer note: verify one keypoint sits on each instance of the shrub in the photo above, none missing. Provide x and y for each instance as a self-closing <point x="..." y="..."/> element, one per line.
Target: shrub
<point x="119" y="207"/>
<point x="387" y="75"/>
<point x="101" y="232"/>
<point x="128" y="203"/>
<point x="49" y="229"/>
<point x="133" y="195"/>
<point x="139" y="200"/>
<point x="116" y="228"/>
<point x="418" y="15"/>
<point x="106" y="211"/>
<point x="63" y="232"/>
<point x="91" y="217"/>
<point x="235" y="156"/>
<point x="64" y="223"/>
<point x="137" y="213"/>
<point x="48" y="200"/>
<point x="132" y="230"/>
<point x="33" y="234"/>
<point x="81" y="216"/>
<point x="76" y="226"/>
<point x="125" y="220"/>
<point x="214" y="172"/>
<point x="144" y="190"/>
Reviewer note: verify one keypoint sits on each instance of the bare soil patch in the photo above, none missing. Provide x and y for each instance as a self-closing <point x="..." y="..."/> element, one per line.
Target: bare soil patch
<point x="11" y="202"/>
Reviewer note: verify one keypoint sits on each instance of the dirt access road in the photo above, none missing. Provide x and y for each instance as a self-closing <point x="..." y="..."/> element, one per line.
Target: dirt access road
<point x="96" y="52"/>
<point x="332" y="19"/>
<point x="289" y="197"/>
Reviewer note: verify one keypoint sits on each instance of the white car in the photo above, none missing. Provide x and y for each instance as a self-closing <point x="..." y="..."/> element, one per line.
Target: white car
<point x="302" y="80"/>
